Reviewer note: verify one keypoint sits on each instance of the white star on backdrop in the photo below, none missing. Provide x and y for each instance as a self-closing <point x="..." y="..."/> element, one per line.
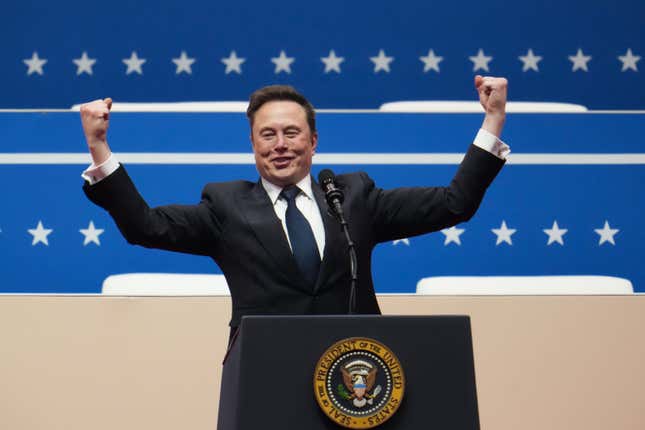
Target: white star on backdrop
<point x="579" y="61"/>
<point x="405" y="241"/>
<point x="233" y="63"/>
<point x="452" y="235"/>
<point x="480" y="61"/>
<point x="282" y="63"/>
<point x="332" y="62"/>
<point x="381" y="62"/>
<point x="183" y="63"/>
<point x="629" y="61"/>
<point x="555" y="233"/>
<point x="91" y="234"/>
<point x="431" y="62"/>
<point x="35" y="64"/>
<point x="606" y="234"/>
<point x="84" y="64"/>
<point x="504" y="234"/>
<point x="530" y="61"/>
<point x="40" y="234"/>
<point x="134" y="63"/>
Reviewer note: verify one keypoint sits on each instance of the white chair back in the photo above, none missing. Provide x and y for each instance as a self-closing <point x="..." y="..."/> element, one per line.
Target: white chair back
<point x="165" y="284"/>
<point x="440" y="106"/>
<point x="176" y="107"/>
<point x="523" y="285"/>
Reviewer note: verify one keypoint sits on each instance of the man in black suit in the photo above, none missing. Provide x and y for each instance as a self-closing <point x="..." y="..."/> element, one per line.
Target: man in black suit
<point x="281" y="250"/>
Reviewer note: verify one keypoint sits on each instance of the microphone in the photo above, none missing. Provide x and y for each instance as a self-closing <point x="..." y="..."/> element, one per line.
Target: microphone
<point x="333" y="194"/>
<point x="335" y="198"/>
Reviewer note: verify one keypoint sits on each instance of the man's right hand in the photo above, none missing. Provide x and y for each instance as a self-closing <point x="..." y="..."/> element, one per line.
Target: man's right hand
<point x="95" y="117"/>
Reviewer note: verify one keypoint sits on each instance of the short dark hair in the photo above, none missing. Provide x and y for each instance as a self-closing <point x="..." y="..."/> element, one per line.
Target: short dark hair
<point x="280" y="92"/>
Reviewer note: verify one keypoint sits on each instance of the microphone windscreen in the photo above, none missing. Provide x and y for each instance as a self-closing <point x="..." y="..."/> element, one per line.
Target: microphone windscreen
<point x="326" y="176"/>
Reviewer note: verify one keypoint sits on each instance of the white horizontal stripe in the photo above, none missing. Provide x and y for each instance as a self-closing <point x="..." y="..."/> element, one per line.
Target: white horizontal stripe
<point x="35" y="110"/>
<point x="329" y="158"/>
<point x="46" y="158"/>
<point x="186" y="158"/>
<point x="576" y="159"/>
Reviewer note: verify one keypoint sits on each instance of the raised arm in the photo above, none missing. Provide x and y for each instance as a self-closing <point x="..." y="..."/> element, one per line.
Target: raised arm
<point x="405" y="212"/>
<point x="182" y="228"/>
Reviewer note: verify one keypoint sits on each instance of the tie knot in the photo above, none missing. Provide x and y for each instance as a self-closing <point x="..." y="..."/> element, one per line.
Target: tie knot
<point x="290" y="193"/>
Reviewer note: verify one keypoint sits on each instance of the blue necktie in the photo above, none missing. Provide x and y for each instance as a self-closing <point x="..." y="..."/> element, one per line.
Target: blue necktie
<point x="303" y="242"/>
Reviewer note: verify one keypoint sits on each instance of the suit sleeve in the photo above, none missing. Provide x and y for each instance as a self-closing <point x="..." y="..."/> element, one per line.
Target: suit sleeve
<point x="193" y="229"/>
<point x="406" y="212"/>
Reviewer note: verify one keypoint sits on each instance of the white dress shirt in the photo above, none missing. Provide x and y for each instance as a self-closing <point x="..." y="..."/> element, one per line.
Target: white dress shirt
<point x="306" y="203"/>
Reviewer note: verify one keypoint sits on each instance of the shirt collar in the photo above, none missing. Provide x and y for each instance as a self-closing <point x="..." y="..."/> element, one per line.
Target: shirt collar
<point x="274" y="191"/>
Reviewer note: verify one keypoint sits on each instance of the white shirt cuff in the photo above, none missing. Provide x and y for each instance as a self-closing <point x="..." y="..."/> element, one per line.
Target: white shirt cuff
<point x="491" y="143"/>
<point x="94" y="174"/>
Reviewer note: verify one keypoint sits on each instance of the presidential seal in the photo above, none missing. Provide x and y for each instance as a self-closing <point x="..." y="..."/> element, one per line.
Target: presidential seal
<point x="359" y="383"/>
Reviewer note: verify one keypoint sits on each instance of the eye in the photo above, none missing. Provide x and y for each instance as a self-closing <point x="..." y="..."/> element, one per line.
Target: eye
<point x="292" y="132"/>
<point x="267" y="134"/>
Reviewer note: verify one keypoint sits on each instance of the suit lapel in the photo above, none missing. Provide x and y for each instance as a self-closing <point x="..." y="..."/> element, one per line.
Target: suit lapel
<point x="268" y="229"/>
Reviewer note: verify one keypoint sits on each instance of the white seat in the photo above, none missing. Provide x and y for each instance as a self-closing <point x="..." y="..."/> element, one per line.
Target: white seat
<point x="232" y="106"/>
<point x="165" y="284"/>
<point x="475" y="107"/>
<point x="523" y="285"/>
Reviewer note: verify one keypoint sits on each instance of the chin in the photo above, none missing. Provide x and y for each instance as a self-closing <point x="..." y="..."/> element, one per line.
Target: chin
<point x="281" y="180"/>
<point x="284" y="177"/>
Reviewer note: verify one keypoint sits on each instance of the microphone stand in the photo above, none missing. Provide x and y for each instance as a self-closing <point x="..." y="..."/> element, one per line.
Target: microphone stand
<point x="353" y="259"/>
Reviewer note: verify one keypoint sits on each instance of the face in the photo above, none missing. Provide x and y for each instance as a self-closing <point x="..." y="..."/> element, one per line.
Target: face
<point x="283" y="144"/>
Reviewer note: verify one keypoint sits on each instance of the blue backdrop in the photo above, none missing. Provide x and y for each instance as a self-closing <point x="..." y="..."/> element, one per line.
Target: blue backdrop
<point x="56" y="54"/>
<point x="209" y="31"/>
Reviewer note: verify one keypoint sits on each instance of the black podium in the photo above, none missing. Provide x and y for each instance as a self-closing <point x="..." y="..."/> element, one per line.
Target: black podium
<point x="268" y="375"/>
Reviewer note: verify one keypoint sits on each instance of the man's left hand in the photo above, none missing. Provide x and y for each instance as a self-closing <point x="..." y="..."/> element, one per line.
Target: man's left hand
<point x="492" y="96"/>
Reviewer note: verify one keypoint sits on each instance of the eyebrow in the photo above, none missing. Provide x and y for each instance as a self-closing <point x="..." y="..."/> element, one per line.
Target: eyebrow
<point x="291" y="127"/>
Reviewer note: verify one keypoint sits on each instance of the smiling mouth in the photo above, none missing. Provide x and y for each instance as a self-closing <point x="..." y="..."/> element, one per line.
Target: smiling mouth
<point x="282" y="161"/>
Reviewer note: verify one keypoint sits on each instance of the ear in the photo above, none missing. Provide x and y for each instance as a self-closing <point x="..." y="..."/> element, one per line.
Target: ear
<point x="314" y="142"/>
<point x="251" y="139"/>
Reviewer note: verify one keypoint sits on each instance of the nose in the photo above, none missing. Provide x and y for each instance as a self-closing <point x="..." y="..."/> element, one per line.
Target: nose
<point x="281" y="142"/>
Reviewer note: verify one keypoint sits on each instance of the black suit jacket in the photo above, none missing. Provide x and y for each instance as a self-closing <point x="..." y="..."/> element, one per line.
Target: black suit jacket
<point x="235" y="224"/>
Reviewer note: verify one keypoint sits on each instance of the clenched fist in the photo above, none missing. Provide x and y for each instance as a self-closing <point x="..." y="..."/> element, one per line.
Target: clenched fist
<point x="492" y="96"/>
<point x="95" y="117"/>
